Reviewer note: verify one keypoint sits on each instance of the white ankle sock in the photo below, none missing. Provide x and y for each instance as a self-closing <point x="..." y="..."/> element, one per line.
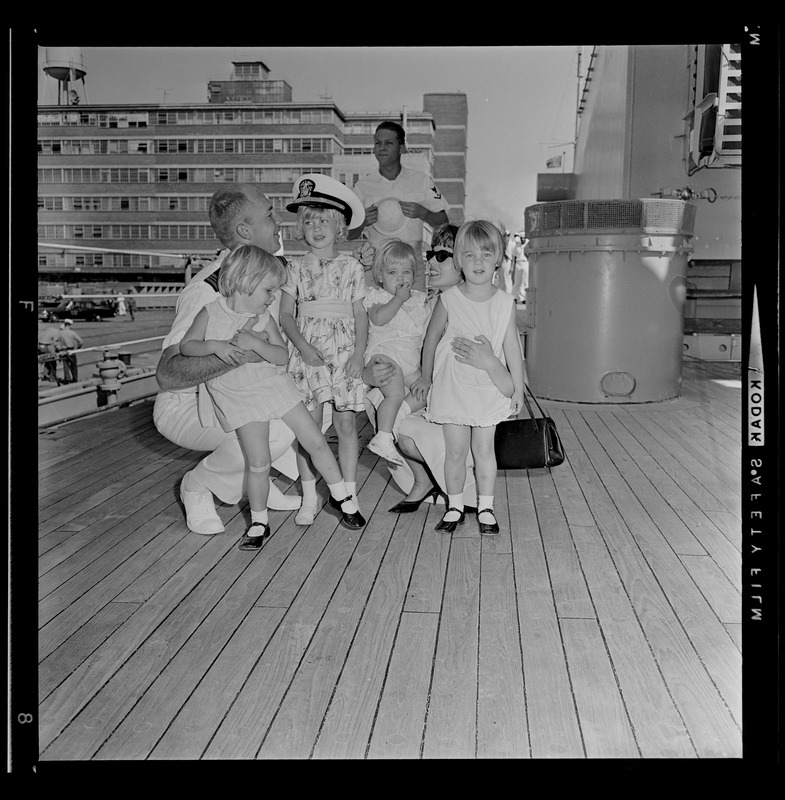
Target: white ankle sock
<point x="454" y="501"/>
<point x="339" y="491"/>
<point x="309" y="491"/>
<point x="485" y="503"/>
<point x="260" y="516"/>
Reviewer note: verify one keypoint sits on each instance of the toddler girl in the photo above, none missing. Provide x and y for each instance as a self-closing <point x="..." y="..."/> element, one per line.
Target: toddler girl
<point x="238" y="328"/>
<point x="463" y="399"/>
<point x="322" y="313"/>
<point x="397" y="316"/>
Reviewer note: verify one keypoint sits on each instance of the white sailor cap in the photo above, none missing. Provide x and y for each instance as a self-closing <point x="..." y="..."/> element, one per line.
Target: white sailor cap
<point x="322" y="191"/>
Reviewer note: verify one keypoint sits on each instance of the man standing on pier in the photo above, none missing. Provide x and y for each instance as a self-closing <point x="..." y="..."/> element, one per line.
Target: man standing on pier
<point x="67" y="340"/>
<point x="183" y="413"/>
<point x="47" y="336"/>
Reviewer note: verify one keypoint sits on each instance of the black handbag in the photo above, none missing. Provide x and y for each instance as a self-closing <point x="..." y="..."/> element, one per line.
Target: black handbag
<point x="531" y="443"/>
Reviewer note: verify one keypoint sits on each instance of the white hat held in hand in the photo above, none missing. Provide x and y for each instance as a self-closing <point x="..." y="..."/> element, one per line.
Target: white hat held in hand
<point x="390" y="220"/>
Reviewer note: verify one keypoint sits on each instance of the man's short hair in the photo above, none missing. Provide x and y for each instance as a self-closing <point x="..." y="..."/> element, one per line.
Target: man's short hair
<point x="389" y="125"/>
<point x="227" y="209"/>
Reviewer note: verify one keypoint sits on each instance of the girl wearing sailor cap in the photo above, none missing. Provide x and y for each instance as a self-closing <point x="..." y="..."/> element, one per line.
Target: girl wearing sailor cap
<point x="323" y="315"/>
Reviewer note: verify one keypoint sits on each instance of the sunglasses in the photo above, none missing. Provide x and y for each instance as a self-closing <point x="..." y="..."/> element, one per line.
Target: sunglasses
<point x="439" y="255"/>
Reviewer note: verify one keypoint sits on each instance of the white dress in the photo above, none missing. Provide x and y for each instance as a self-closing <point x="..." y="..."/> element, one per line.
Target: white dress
<point x="255" y="392"/>
<point x="401" y="338"/>
<point x="462" y="394"/>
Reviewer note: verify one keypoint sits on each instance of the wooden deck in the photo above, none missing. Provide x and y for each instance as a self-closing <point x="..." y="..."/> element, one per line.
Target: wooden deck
<point x="604" y="622"/>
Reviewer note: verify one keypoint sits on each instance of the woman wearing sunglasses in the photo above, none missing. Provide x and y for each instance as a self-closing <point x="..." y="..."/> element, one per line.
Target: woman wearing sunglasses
<point x="421" y="476"/>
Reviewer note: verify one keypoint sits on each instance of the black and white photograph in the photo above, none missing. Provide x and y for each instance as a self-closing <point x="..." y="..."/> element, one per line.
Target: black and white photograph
<point x="504" y="481"/>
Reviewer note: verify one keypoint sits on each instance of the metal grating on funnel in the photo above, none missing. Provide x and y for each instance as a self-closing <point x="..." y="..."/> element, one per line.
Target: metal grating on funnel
<point x="653" y="216"/>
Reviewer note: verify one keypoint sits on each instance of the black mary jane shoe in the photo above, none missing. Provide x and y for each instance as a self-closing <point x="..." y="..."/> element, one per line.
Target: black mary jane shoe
<point x="351" y="521"/>
<point x="407" y="506"/>
<point x="254" y="542"/>
<point x="449" y="527"/>
<point x="487" y="527"/>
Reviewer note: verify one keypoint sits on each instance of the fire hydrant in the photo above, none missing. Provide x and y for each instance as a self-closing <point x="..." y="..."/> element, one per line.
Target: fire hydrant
<point x="110" y="370"/>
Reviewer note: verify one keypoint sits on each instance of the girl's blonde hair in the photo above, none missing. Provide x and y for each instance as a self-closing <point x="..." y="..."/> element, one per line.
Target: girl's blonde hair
<point x="482" y="234"/>
<point x="393" y="251"/>
<point x="309" y="212"/>
<point x="245" y="266"/>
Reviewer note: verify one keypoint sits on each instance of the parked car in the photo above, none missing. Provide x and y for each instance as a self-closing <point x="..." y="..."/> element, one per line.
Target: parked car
<point x="88" y="310"/>
<point x="46" y="305"/>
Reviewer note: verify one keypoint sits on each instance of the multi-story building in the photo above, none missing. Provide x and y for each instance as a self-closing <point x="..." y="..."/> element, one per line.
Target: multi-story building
<point x="123" y="190"/>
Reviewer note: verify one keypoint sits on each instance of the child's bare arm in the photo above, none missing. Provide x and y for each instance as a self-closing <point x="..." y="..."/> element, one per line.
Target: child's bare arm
<point x="514" y="357"/>
<point x="194" y="343"/>
<point x="274" y="349"/>
<point x="382" y="313"/>
<point x="356" y="363"/>
<point x="289" y="326"/>
<point x="434" y="333"/>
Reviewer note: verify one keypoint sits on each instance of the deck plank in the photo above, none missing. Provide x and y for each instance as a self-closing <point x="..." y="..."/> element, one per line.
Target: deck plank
<point x="301" y="714"/>
<point x="400" y="721"/>
<point x="710" y="469"/>
<point x="189" y="733"/>
<point x="726" y="555"/>
<point x="554" y="731"/>
<point x="58" y="487"/>
<point x="79" y="550"/>
<point x="348" y="723"/>
<point x="602" y="622"/>
<point x="639" y="487"/>
<point x="655" y="580"/>
<point x="605" y="726"/>
<point x="450" y="730"/>
<point x="427" y="584"/>
<point x="569" y="587"/>
<point x="140" y="730"/>
<point x="696" y="480"/>
<point x="502" y="730"/>
<point x="119" y="696"/>
<point x="62" y="708"/>
<point x="245" y="724"/>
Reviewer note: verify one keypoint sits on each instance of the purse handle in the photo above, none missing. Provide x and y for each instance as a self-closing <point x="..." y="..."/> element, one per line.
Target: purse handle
<point x="534" y="419"/>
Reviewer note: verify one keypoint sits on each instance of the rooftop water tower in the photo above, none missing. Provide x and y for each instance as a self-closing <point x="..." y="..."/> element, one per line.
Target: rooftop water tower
<point x="66" y="66"/>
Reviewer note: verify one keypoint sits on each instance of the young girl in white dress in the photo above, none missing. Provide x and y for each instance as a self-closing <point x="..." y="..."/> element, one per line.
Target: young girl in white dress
<point x="463" y="399"/>
<point x="323" y="315"/>
<point x="238" y="328"/>
<point x="397" y="317"/>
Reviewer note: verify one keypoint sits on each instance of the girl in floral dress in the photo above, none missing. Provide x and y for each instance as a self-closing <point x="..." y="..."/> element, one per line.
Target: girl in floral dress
<point x="323" y="315"/>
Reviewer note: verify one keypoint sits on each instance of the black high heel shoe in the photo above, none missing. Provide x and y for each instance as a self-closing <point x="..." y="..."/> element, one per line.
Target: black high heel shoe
<point x="352" y="521"/>
<point x="450" y="526"/>
<point x="407" y="506"/>
<point x="487" y="527"/>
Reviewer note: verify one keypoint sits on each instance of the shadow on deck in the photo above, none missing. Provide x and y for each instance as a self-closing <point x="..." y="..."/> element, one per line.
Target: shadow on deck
<point x="603" y="622"/>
